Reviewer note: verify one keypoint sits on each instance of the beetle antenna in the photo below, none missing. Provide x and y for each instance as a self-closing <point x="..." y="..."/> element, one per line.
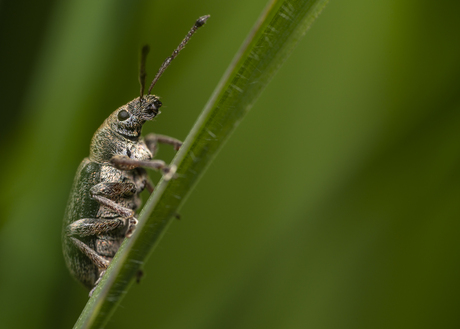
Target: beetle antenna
<point x="142" y="74"/>
<point x="199" y="23"/>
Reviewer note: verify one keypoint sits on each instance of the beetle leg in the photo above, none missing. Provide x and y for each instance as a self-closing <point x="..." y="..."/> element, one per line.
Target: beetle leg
<point x="127" y="213"/>
<point x="152" y="141"/>
<point x="112" y="205"/>
<point x="131" y="226"/>
<point x="95" y="226"/>
<point x="96" y="283"/>
<point x="114" y="189"/>
<point x="146" y="181"/>
<point x="101" y="190"/>
<point x="123" y="162"/>
<point x="149" y="185"/>
<point x="99" y="261"/>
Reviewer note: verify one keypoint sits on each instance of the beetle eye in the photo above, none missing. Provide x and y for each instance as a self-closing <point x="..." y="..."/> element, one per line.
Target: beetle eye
<point x="123" y="115"/>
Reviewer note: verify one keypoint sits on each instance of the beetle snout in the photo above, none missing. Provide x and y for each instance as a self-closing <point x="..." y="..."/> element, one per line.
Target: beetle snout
<point x="153" y="108"/>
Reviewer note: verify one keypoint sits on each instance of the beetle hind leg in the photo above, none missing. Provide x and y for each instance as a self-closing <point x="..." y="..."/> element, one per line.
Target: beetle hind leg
<point x="101" y="262"/>
<point x="98" y="260"/>
<point x="96" y="283"/>
<point x="95" y="226"/>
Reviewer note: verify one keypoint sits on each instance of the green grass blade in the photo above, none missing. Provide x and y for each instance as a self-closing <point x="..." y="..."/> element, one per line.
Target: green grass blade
<point x="270" y="42"/>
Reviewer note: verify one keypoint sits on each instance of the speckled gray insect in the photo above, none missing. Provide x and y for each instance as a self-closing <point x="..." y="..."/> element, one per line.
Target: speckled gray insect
<point x="104" y="198"/>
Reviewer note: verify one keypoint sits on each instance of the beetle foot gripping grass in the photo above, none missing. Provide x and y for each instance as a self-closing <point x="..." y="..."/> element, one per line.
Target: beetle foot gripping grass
<point x="101" y="211"/>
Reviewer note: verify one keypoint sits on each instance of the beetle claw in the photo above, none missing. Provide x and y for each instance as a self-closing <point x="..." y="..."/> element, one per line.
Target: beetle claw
<point x="131" y="227"/>
<point x="168" y="172"/>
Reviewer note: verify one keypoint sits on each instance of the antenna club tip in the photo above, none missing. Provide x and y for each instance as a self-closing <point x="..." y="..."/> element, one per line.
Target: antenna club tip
<point x="202" y="20"/>
<point x="145" y="49"/>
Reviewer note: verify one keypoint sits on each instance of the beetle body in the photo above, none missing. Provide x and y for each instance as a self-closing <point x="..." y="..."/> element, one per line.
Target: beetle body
<point x="105" y="195"/>
<point x="98" y="225"/>
<point x="82" y="205"/>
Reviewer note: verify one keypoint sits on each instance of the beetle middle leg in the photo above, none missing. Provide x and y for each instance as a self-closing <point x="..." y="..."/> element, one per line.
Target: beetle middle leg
<point x="101" y="191"/>
<point x="127" y="213"/>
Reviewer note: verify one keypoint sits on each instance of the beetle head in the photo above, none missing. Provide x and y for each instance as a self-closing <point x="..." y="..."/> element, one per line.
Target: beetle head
<point x="129" y="119"/>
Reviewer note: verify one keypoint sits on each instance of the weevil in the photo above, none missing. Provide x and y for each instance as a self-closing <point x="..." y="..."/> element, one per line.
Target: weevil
<point x="101" y="211"/>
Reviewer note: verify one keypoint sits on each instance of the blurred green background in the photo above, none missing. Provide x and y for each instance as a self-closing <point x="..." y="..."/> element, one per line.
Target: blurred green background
<point x="335" y="204"/>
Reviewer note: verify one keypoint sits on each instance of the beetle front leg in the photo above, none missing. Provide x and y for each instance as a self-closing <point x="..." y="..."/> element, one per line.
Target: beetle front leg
<point x="152" y="141"/>
<point x="123" y="162"/>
